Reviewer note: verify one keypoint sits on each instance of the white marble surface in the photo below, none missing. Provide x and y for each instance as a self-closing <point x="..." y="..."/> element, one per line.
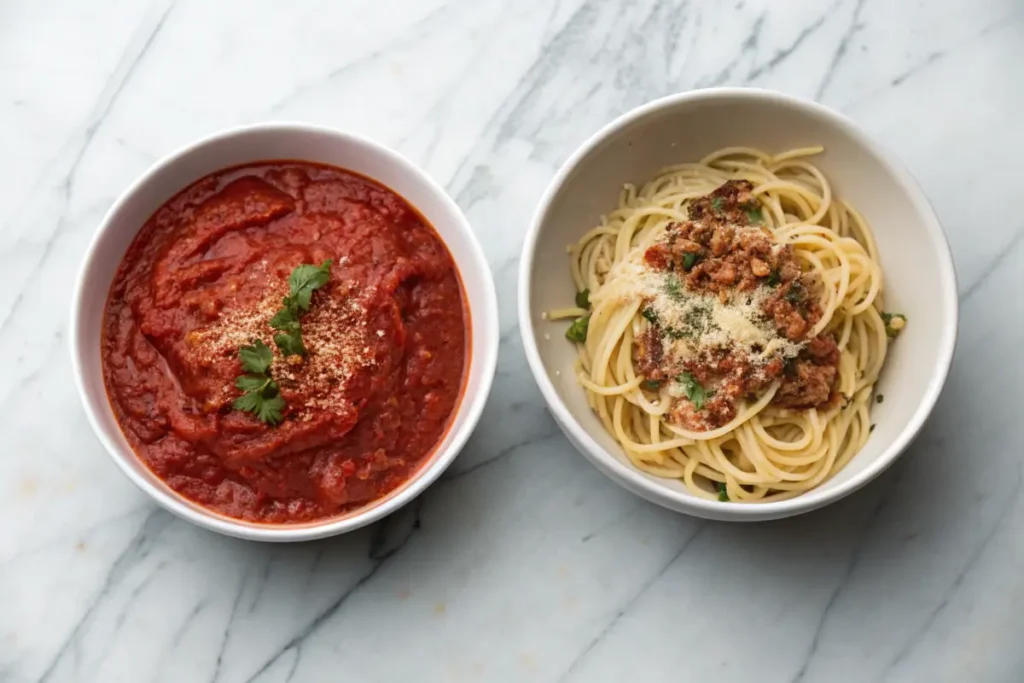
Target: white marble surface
<point x="524" y="563"/>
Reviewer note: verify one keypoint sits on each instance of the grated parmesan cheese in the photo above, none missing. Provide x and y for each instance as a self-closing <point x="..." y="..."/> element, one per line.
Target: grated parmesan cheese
<point x="334" y="331"/>
<point x="697" y="322"/>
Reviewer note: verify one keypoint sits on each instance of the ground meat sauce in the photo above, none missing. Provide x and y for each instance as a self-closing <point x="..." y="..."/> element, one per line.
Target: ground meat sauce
<point x="386" y="336"/>
<point x="720" y="251"/>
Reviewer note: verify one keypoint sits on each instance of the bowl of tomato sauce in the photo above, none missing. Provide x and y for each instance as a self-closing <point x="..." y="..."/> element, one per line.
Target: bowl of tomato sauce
<point x="284" y="332"/>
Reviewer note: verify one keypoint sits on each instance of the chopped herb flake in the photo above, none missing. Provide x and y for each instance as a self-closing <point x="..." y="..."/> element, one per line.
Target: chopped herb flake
<point x="774" y="278"/>
<point x="651" y="315"/>
<point x="754" y="216"/>
<point x="894" y="324"/>
<point x="723" y="491"/>
<point x="693" y="390"/>
<point x="717" y="203"/>
<point x="651" y="384"/>
<point x="577" y="332"/>
<point x="796" y="293"/>
<point x="879" y="398"/>
<point x="583" y="299"/>
<point x="690" y="259"/>
<point x="673" y="288"/>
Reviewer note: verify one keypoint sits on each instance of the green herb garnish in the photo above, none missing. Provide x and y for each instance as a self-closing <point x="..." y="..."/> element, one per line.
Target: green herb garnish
<point x="697" y="321"/>
<point x="693" y="390"/>
<point x="303" y="281"/>
<point x="774" y="278"/>
<point x="256" y="358"/>
<point x="723" y="491"/>
<point x="894" y="324"/>
<point x="871" y="429"/>
<point x="754" y="216"/>
<point x="262" y="397"/>
<point x="673" y="288"/>
<point x="651" y="315"/>
<point x="651" y="384"/>
<point x="717" y="203"/>
<point x="690" y="259"/>
<point x="577" y="332"/>
<point x="795" y="294"/>
<point x="583" y="298"/>
<point x="879" y="398"/>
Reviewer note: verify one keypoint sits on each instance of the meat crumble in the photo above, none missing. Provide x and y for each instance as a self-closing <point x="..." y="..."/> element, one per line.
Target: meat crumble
<point x="725" y="251"/>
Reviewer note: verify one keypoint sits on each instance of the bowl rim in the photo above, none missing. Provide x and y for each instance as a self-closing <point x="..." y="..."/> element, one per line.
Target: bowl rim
<point x="483" y="351"/>
<point x="632" y="479"/>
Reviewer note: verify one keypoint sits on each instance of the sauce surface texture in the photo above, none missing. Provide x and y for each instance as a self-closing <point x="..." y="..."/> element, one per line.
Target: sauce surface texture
<point x="387" y="341"/>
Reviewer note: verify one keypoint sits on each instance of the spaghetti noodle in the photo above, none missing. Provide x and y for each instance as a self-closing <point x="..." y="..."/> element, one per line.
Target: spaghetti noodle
<point x="729" y="325"/>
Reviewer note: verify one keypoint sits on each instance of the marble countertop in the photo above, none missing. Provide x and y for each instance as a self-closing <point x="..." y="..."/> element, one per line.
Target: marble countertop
<point x="523" y="563"/>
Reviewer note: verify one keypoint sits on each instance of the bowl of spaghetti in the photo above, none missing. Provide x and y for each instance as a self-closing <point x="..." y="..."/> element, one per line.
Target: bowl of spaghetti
<point x="737" y="305"/>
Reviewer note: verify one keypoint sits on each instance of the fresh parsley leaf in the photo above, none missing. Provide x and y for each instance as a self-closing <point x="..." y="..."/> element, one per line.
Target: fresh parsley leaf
<point x="261" y="396"/>
<point x="266" y="403"/>
<point x="693" y="390"/>
<point x="894" y="324"/>
<point x="269" y="410"/>
<point x="651" y="315"/>
<point x="651" y="384"/>
<point x="577" y="332"/>
<point x="755" y="216"/>
<point x="286" y="319"/>
<point x="303" y="281"/>
<point x="717" y="203"/>
<point x="723" y="491"/>
<point x="256" y="358"/>
<point x="252" y="382"/>
<point x="583" y="298"/>
<point x="290" y="343"/>
<point x="774" y="278"/>
<point x="690" y="259"/>
<point x="249" y="402"/>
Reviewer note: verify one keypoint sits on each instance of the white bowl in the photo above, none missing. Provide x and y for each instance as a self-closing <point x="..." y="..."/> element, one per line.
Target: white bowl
<point x="267" y="142"/>
<point x="919" y="275"/>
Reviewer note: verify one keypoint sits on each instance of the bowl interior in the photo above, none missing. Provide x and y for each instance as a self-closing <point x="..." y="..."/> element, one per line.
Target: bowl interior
<point x="915" y="259"/>
<point x="268" y="142"/>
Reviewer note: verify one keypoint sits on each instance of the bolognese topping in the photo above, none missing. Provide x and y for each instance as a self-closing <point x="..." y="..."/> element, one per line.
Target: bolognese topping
<point x="728" y="312"/>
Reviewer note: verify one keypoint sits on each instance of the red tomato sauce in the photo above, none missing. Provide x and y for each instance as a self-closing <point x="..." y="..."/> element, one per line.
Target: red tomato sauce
<point x="387" y="341"/>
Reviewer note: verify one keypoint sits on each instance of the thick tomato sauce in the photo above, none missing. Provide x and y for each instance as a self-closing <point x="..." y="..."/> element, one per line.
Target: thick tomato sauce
<point x="387" y="341"/>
